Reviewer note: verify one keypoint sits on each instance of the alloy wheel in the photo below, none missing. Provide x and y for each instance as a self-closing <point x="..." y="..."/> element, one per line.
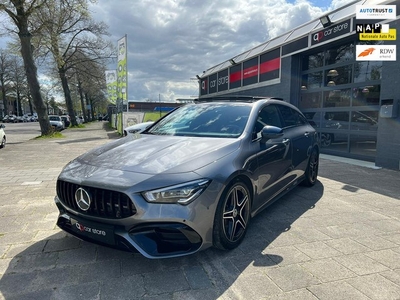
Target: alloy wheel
<point x="236" y="213"/>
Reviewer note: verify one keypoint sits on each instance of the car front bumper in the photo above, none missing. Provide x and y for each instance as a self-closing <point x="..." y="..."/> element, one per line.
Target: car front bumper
<point x="155" y="230"/>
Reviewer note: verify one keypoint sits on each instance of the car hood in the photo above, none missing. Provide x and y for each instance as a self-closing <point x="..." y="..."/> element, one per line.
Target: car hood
<point x="152" y="154"/>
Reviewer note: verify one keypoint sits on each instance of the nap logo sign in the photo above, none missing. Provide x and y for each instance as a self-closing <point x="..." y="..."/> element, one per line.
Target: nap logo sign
<point x="375" y="52"/>
<point x="375" y="32"/>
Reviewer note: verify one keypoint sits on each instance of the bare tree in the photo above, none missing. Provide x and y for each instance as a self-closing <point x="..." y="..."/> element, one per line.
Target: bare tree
<point x="20" y="12"/>
<point x="70" y="36"/>
<point x="5" y="65"/>
<point x="91" y="84"/>
<point x="18" y="83"/>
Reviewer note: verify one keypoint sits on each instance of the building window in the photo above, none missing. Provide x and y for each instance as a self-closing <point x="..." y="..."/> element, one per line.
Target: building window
<point x="310" y="100"/>
<point x="339" y="54"/>
<point x="312" y="80"/>
<point x="340" y="98"/>
<point x="338" y="76"/>
<point x="337" y="98"/>
<point x="366" y="95"/>
<point x="313" y="61"/>
<point x="367" y="70"/>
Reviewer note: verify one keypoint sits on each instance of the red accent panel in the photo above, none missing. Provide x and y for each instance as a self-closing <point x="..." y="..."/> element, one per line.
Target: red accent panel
<point x="235" y="76"/>
<point x="250" y="72"/>
<point x="270" y="65"/>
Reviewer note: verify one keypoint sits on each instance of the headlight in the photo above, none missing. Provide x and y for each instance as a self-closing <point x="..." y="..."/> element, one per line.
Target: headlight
<point x="182" y="193"/>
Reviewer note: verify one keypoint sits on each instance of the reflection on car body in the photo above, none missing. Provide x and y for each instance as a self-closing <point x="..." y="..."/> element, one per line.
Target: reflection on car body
<point x="192" y="180"/>
<point x="338" y="121"/>
<point x="137" y="128"/>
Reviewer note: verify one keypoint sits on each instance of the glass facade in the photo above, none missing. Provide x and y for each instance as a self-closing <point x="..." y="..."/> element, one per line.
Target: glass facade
<point x="340" y="97"/>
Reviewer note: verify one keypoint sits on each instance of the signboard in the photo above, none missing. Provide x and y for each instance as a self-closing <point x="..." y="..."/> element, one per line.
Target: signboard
<point x="376" y="12"/>
<point x="223" y="80"/>
<point x="331" y="32"/>
<point x="376" y="52"/>
<point x="111" y="82"/>
<point x="203" y="86"/>
<point x="375" y="32"/>
<point x="212" y="83"/>
<point x="122" y="73"/>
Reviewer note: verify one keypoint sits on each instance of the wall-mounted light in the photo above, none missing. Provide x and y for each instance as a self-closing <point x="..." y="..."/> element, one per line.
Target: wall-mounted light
<point x="365" y="90"/>
<point x="325" y="21"/>
<point x="331" y="83"/>
<point x="304" y="88"/>
<point x="232" y="62"/>
<point x="332" y="73"/>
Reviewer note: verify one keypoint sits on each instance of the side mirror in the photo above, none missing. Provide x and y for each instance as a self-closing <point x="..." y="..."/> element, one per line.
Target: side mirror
<point x="270" y="132"/>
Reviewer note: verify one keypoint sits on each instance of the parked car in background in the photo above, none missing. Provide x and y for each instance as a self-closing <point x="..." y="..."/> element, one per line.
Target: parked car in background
<point x="137" y="128"/>
<point x="56" y="122"/>
<point x="2" y="136"/>
<point x="192" y="180"/>
<point x="10" y="119"/>
<point x="67" y="120"/>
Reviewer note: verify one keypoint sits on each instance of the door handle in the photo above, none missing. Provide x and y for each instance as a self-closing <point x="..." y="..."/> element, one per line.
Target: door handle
<point x="286" y="141"/>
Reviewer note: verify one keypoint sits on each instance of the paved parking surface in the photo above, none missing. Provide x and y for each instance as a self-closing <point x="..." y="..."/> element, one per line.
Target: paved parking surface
<point x="337" y="240"/>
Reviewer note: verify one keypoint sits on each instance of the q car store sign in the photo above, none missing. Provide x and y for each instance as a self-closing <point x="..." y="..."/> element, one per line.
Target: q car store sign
<point x="331" y="32"/>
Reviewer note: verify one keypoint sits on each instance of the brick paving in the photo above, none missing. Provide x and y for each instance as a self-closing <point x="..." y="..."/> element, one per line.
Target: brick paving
<point x="337" y="240"/>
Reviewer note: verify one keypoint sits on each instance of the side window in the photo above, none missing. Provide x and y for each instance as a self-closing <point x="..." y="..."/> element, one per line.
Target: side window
<point x="291" y="117"/>
<point x="269" y="115"/>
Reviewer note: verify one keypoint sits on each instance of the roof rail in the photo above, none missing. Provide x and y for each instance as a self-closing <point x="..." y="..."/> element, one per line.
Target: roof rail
<point x="233" y="98"/>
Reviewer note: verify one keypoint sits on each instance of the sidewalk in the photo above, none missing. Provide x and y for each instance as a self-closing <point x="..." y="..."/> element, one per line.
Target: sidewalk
<point x="337" y="240"/>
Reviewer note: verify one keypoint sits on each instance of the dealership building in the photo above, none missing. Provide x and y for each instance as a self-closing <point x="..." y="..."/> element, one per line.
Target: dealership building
<point x="340" y="71"/>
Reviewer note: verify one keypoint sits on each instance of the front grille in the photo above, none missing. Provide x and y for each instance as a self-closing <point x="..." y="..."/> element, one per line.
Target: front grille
<point x="104" y="203"/>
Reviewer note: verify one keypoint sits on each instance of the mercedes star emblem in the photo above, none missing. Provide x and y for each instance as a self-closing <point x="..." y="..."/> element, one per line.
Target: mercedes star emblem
<point x="82" y="198"/>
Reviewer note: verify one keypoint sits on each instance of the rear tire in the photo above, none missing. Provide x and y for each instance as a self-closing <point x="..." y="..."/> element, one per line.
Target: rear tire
<point x="232" y="216"/>
<point x="311" y="174"/>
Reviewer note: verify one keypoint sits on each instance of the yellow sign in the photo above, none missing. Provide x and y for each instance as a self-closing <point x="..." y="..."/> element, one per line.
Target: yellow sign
<point x="390" y="36"/>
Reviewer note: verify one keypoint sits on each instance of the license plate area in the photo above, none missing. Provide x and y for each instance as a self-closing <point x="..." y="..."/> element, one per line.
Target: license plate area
<point x="95" y="231"/>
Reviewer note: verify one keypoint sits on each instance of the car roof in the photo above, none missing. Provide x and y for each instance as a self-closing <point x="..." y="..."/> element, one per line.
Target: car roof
<point x="235" y="98"/>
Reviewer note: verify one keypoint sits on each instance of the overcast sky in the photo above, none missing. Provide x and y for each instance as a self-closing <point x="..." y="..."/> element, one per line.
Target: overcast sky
<point x="172" y="41"/>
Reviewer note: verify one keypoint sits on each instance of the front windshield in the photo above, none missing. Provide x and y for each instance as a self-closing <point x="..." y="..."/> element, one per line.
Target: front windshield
<point x="205" y="119"/>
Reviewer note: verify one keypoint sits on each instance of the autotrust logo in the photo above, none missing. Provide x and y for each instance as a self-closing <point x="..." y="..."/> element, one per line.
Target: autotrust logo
<point x="82" y="199"/>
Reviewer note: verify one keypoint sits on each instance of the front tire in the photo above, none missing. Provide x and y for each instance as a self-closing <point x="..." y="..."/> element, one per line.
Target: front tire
<point x="3" y="143"/>
<point x="311" y="174"/>
<point x="232" y="216"/>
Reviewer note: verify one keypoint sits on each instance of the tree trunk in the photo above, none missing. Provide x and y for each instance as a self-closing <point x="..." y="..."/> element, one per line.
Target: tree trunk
<point x="92" y="108"/>
<point x="19" y="105"/>
<point x="85" y="120"/>
<point x="30" y="103"/>
<point x="31" y="75"/>
<point x="89" y="110"/>
<point x="67" y="95"/>
<point x="3" y="92"/>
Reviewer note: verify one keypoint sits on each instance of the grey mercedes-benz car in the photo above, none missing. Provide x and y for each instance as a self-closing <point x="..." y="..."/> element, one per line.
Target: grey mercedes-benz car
<point x="190" y="181"/>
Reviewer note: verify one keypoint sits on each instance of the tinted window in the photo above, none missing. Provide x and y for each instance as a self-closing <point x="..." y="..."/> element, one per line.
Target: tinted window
<point x="291" y="117"/>
<point x="269" y="115"/>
